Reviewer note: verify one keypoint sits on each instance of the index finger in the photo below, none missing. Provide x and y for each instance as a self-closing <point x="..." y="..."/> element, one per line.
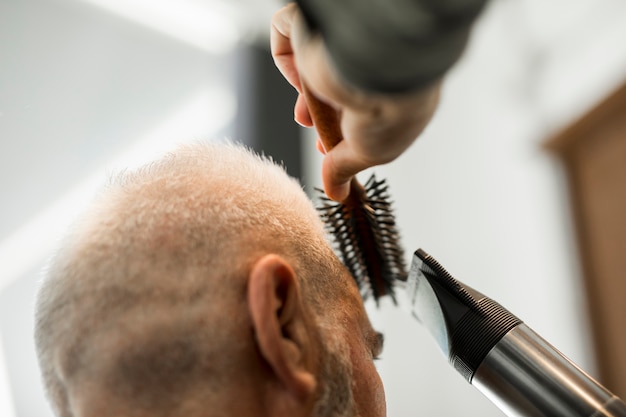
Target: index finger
<point x="280" y="43"/>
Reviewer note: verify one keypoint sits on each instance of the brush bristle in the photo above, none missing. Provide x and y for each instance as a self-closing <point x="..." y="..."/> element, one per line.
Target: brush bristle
<point x="367" y="240"/>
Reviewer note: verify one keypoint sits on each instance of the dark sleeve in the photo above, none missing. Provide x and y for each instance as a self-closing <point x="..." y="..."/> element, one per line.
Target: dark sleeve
<point x="392" y="45"/>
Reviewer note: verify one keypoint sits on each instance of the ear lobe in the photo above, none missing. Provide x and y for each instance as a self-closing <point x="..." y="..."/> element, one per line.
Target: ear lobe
<point x="280" y="325"/>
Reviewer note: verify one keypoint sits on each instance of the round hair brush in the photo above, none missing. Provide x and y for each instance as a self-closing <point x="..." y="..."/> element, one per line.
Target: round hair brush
<point x="363" y="225"/>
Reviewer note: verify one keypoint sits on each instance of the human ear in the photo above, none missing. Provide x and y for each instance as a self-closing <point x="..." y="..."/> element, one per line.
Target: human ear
<point x="281" y="326"/>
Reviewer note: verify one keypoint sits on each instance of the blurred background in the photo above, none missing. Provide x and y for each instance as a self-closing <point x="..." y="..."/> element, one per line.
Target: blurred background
<point x="91" y="86"/>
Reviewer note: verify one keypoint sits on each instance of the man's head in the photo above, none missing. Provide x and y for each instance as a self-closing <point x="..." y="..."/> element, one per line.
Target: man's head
<point x="199" y="285"/>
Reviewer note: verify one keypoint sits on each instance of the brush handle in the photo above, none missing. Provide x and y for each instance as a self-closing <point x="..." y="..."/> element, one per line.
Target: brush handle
<point x="325" y="119"/>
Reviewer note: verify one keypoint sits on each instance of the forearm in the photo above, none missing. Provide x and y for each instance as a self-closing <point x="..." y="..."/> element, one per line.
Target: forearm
<point x="392" y="46"/>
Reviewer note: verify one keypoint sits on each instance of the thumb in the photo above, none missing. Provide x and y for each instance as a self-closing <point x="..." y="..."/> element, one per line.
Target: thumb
<point x="339" y="166"/>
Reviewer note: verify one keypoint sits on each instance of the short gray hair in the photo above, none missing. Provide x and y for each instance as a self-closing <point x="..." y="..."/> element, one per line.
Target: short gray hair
<point x="180" y="230"/>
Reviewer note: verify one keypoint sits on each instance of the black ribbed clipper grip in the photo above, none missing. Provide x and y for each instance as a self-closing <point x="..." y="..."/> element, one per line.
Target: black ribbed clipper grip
<point x="477" y="333"/>
<point x="474" y="323"/>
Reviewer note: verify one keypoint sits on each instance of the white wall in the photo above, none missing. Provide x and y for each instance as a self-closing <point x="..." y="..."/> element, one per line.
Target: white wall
<point x="479" y="193"/>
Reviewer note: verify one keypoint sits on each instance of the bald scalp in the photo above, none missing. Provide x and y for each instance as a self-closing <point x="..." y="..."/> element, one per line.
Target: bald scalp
<point x="150" y="283"/>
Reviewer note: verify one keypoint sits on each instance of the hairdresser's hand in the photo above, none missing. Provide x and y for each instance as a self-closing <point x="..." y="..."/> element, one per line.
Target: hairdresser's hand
<point x="376" y="128"/>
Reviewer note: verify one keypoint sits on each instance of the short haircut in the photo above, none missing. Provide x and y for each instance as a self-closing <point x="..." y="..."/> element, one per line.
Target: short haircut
<point x="180" y="232"/>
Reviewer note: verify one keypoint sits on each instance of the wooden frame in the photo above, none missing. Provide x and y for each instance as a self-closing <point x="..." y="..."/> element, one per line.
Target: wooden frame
<point x="593" y="151"/>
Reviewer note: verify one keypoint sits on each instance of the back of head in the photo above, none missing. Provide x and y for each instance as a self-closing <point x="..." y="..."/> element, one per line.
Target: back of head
<point x="147" y="292"/>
